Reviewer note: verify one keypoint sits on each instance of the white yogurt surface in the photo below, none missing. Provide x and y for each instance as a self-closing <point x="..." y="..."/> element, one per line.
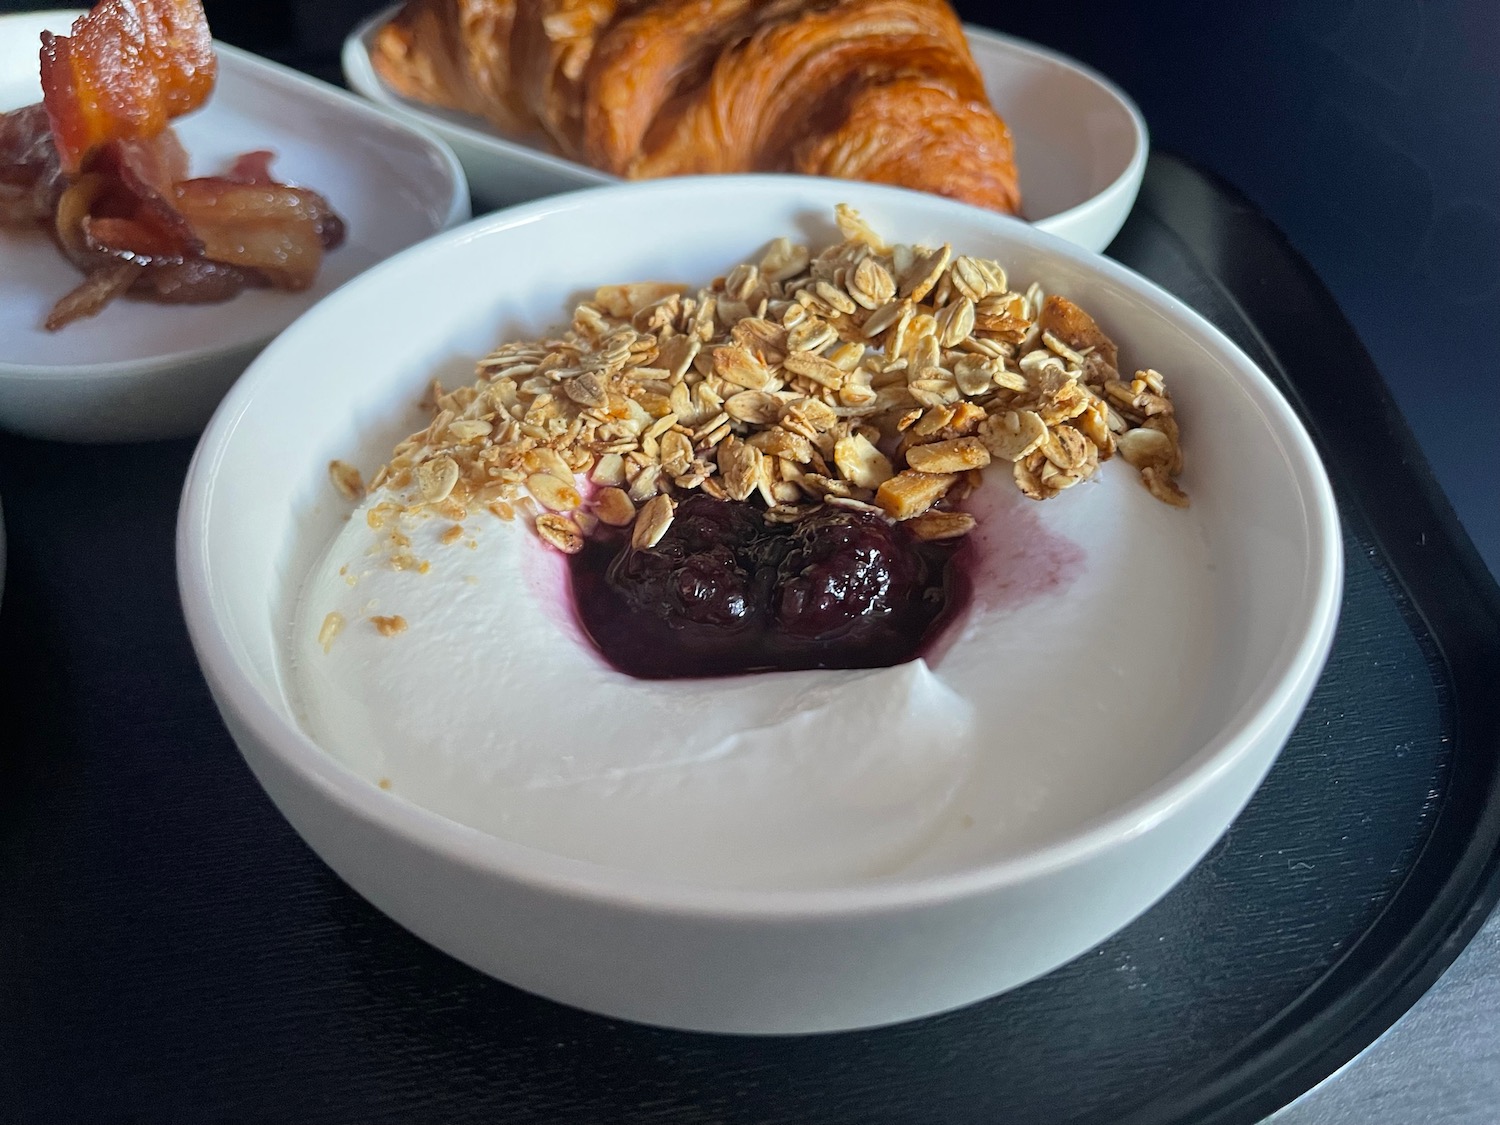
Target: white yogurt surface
<point x="493" y="710"/>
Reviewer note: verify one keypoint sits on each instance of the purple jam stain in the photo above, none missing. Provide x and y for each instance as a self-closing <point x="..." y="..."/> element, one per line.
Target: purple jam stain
<point x="546" y="574"/>
<point x="726" y="593"/>
<point x="1016" y="556"/>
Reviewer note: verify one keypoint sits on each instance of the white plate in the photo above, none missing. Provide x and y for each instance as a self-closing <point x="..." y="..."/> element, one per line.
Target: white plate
<point x="1080" y="142"/>
<point x="1129" y="721"/>
<point x="141" y="370"/>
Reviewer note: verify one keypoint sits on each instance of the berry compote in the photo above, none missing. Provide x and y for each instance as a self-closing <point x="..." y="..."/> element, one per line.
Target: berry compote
<point x="724" y="592"/>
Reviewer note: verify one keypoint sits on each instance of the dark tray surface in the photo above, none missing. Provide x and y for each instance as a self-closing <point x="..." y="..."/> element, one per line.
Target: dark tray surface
<point x="170" y="950"/>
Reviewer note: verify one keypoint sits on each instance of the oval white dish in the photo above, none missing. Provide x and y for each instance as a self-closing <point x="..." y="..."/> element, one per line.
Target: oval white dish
<point x="1080" y="821"/>
<point x="1081" y="144"/>
<point x="140" y="370"/>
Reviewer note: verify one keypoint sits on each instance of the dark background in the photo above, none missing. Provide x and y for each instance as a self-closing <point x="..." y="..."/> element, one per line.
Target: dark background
<point x="169" y="950"/>
<point x="1367" y="130"/>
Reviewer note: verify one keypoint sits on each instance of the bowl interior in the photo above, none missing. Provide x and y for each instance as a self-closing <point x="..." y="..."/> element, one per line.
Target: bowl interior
<point x="1226" y="596"/>
<point x="394" y="187"/>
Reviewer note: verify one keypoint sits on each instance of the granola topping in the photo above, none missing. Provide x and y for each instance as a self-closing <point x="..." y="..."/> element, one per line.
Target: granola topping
<point x="862" y="376"/>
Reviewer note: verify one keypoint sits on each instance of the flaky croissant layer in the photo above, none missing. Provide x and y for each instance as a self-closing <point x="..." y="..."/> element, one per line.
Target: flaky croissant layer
<point x="880" y="90"/>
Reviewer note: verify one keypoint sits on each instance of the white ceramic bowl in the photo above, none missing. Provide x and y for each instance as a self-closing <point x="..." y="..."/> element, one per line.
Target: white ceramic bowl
<point x="1081" y="144"/>
<point x="140" y="370"/>
<point x="257" y="512"/>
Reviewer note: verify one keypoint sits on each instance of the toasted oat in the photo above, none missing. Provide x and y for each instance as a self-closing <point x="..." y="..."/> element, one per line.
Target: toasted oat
<point x="741" y="466"/>
<point x="1014" y="434"/>
<point x="755" y="408"/>
<point x="861" y="463"/>
<point x="436" y="478"/>
<point x="1145" y="448"/>
<point x="346" y="480"/>
<point x="652" y="521"/>
<point x="614" y="507"/>
<point x="389" y="626"/>
<point x="553" y="493"/>
<point x="561" y="532"/>
<point x="1066" y="448"/>
<point x="332" y="626"/>
<point x="941" y="525"/>
<point x="1163" y="487"/>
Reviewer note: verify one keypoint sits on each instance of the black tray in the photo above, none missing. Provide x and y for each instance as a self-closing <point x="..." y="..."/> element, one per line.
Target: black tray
<point x="169" y="950"/>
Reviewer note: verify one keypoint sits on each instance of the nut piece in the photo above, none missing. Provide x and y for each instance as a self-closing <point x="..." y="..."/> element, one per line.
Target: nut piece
<point x="941" y="525"/>
<point x="1072" y="326"/>
<point x="860" y="463"/>
<point x="652" y="522"/>
<point x="550" y="492"/>
<point x="952" y="456"/>
<point x="561" y="532"/>
<point x="644" y="486"/>
<point x="910" y="493"/>
<point x="332" y="626"/>
<point x="614" y="506"/>
<point x="389" y="626"/>
<point x="609" y="470"/>
<point x="346" y="480"/>
<point x="587" y="390"/>
<point x="918" y="281"/>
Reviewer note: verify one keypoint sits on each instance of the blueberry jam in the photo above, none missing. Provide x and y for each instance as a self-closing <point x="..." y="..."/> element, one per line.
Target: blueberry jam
<point x="724" y="592"/>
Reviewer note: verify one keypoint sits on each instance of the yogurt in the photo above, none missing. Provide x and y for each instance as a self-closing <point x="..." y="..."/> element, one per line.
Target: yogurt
<point x="491" y="708"/>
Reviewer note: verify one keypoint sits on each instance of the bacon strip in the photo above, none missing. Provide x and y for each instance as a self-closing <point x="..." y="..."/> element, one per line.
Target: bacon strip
<point x="128" y="68"/>
<point x="30" y="179"/>
<point x="98" y="164"/>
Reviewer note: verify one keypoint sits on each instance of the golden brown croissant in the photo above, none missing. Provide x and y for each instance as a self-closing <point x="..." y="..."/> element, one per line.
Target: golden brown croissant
<point x="881" y="90"/>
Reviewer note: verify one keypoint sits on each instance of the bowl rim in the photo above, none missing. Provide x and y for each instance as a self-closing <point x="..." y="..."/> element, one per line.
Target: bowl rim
<point x="305" y="85"/>
<point x="1299" y="658"/>
<point x="359" y="72"/>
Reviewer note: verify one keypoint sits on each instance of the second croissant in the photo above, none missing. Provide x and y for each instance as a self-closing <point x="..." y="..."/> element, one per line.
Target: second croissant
<point x="877" y="90"/>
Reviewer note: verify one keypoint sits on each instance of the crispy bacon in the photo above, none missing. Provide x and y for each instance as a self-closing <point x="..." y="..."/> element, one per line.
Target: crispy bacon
<point x="96" y="290"/>
<point x="129" y="67"/>
<point x="98" y="164"/>
<point x="268" y="227"/>
<point x="30" y="178"/>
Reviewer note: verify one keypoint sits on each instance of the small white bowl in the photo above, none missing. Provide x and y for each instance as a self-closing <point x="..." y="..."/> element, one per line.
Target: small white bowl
<point x="140" y="370"/>
<point x="1102" y="827"/>
<point x="1081" y="144"/>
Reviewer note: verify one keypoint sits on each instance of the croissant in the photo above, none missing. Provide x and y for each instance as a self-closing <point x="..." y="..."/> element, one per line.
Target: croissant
<point x="879" y="90"/>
